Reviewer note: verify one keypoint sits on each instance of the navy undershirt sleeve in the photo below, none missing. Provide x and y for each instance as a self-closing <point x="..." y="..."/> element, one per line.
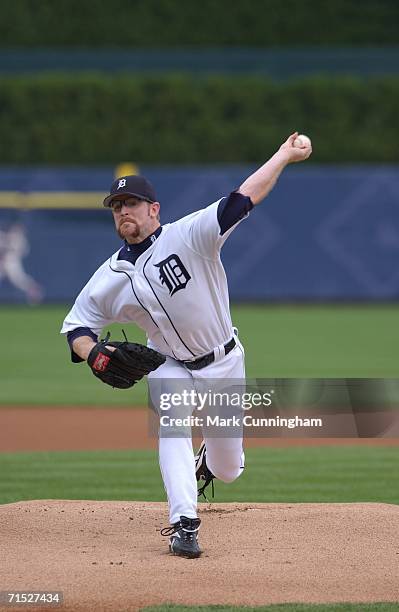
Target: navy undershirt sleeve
<point x="232" y="209"/>
<point x="77" y="333"/>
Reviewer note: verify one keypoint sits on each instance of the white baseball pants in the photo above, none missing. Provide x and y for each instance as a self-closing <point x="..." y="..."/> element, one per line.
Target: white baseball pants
<point x="224" y="456"/>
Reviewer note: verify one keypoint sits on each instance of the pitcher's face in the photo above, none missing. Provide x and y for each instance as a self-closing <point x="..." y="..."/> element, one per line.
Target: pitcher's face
<point x="135" y="219"/>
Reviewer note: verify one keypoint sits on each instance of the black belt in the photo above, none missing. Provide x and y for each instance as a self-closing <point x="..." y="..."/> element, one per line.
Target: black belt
<point x="204" y="361"/>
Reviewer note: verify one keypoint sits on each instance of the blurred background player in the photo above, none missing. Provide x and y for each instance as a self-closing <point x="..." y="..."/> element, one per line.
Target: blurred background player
<point x="14" y="246"/>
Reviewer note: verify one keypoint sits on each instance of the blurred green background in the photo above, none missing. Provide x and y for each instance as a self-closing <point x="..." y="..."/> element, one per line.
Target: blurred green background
<point x="192" y="82"/>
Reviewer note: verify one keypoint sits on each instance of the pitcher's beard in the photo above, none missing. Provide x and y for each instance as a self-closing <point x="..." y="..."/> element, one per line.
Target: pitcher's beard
<point x="129" y="229"/>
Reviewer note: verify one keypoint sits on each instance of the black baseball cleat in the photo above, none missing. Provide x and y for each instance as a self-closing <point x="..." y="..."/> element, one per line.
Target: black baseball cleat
<point x="202" y="472"/>
<point x="183" y="537"/>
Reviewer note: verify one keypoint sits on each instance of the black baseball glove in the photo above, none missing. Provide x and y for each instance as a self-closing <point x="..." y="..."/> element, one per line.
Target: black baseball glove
<point x="124" y="366"/>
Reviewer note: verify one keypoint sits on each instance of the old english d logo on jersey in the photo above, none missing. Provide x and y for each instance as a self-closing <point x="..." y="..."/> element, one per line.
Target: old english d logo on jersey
<point x="173" y="274"/>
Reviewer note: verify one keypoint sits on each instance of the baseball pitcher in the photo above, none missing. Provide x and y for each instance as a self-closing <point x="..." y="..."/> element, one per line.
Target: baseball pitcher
<point x="169" y="280"/>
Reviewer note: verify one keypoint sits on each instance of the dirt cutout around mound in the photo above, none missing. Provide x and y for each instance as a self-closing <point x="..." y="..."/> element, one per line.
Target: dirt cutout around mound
<point x="110" y="556"/>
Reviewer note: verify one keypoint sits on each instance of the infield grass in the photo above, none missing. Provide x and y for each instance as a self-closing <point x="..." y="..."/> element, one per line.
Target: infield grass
<point x="312" y="474"/>
<point x="280" y="341"/>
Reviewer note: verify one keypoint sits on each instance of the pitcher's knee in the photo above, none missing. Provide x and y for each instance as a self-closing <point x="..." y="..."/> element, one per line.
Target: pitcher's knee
<point x="227" y="473"/>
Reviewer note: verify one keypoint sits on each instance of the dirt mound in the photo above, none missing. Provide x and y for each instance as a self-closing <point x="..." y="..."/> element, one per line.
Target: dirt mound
<point x="109" y="556"/>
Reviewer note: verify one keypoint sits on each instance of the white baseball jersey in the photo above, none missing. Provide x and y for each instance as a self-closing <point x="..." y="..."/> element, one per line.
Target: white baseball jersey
<point x="173" y="286"/>
<point x="176" y="290"/>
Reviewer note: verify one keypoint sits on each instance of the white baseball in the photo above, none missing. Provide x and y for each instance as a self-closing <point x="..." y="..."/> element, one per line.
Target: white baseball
<point x="302" y="141"/>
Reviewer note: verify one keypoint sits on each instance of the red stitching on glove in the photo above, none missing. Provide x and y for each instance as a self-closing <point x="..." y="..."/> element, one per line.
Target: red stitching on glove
<point x="101" y="362"/>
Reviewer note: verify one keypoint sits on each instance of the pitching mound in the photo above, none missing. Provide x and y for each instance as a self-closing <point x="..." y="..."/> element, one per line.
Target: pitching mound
<point x="110" y="555"/>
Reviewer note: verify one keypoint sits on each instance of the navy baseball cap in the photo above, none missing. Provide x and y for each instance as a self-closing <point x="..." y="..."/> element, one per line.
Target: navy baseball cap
<point x="134" y="185"/>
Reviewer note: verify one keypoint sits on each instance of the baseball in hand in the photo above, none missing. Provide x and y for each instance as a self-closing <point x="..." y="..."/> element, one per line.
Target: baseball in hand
<point x="302" y="141"/>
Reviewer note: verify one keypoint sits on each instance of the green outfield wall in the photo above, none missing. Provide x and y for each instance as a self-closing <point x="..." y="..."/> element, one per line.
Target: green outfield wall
<point x="254" y="23"/>
<point x="99" y="118"/>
